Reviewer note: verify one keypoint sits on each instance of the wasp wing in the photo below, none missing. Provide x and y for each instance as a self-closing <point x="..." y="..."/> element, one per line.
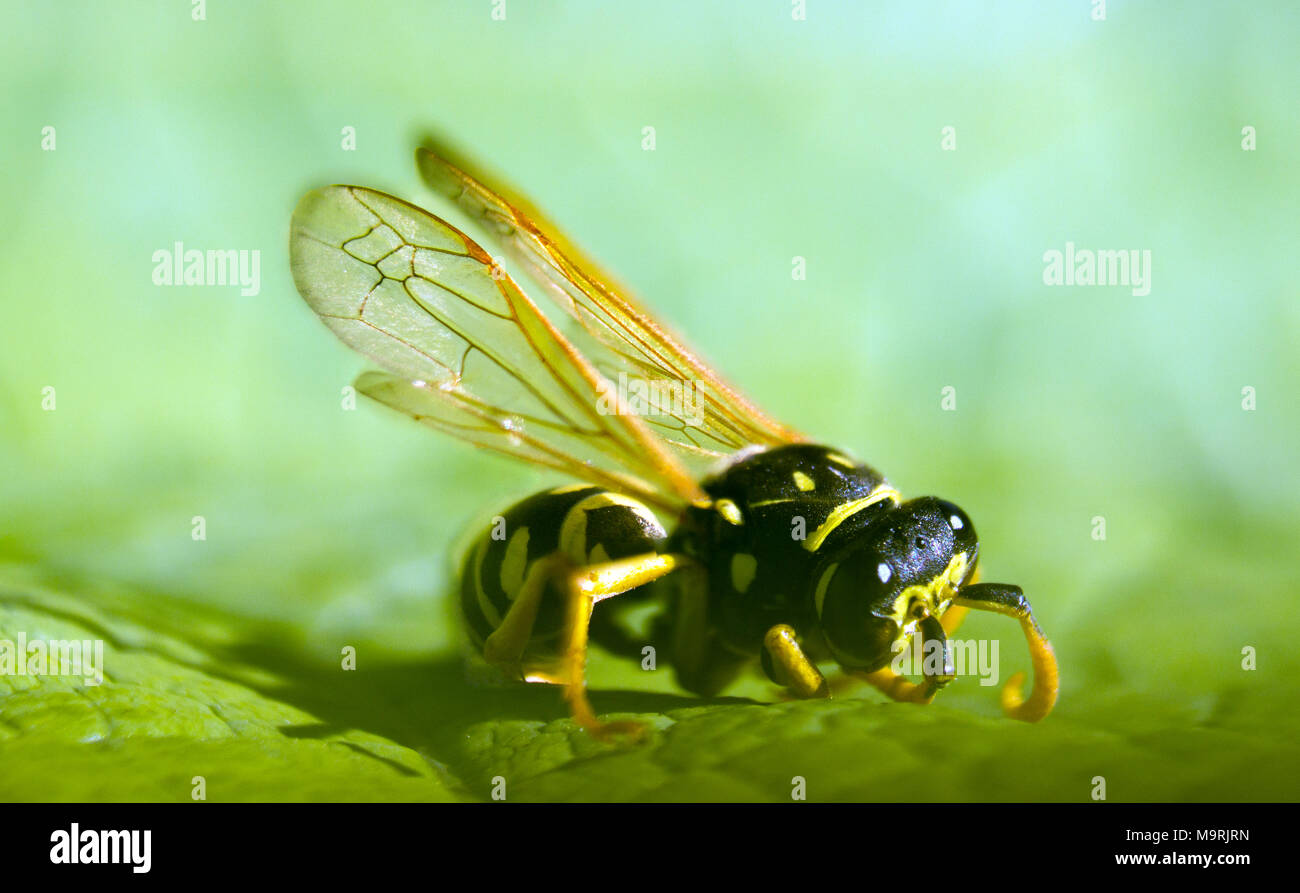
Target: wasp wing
<point x="465" y="349"/>
<point x="638" y="345"/>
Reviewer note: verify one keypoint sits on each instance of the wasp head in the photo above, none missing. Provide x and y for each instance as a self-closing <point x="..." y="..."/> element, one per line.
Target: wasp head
<point x="896" y="577"/>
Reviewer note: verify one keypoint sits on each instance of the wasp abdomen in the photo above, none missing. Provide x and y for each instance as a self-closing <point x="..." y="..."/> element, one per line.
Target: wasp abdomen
<point x="568" y="527"/>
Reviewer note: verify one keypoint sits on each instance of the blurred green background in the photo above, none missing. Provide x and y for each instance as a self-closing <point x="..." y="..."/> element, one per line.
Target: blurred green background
<point x="775" y="138"/>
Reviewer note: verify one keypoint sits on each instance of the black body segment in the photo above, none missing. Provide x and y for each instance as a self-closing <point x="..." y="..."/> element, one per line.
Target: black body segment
<point x="586" y="525"/>
<point x="906" y="565"/>
<point x="772" y="513"/>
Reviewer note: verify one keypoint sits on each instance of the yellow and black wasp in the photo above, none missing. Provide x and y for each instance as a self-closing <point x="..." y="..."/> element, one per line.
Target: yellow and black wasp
<point x="780" y="550"/>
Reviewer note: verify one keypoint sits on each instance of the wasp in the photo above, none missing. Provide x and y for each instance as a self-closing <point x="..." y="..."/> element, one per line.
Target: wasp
<point x="778" y="551"/>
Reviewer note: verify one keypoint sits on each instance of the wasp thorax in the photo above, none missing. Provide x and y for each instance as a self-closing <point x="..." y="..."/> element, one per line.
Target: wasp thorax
<point x="904" y="567"/>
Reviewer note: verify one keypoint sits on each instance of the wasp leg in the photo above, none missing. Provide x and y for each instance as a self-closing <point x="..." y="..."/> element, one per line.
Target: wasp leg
<point x="701" y="662"/>
<point x="1010" y="600"/>
<point x="585" y="587"/>
<point x="841" y="683"/>
<point x="791" y="667"/>
<point x="505" y="648"/>
<point x="897" y="687"/>
<point x="936" y="677"/>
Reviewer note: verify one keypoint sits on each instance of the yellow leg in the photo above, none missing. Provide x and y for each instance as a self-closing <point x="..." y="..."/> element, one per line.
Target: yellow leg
<point x="843" y="682"/>
<point x="930" y="632"/>
<point x="897" y="687"/>
<point x="504" y="649"/>
<point x="839" y="684"/>
<point x="793" y="668"/>
<point x="586" y="587"/>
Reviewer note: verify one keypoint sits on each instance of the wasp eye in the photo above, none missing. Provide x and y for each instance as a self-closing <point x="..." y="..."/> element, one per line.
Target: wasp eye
<point x="960" y="523"/>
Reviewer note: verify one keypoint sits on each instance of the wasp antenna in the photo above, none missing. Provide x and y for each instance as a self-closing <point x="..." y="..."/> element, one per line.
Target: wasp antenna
<point x="1010" y="601"/>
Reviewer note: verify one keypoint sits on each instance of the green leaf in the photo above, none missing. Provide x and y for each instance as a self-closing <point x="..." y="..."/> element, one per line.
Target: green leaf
<point x="1155" y="702"/>
<point x="164" y="716"/>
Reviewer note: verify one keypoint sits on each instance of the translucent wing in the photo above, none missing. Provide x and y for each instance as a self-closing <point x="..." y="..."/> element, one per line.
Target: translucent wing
<point x="464" y="349"/>
<point x="637" y="344"/>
